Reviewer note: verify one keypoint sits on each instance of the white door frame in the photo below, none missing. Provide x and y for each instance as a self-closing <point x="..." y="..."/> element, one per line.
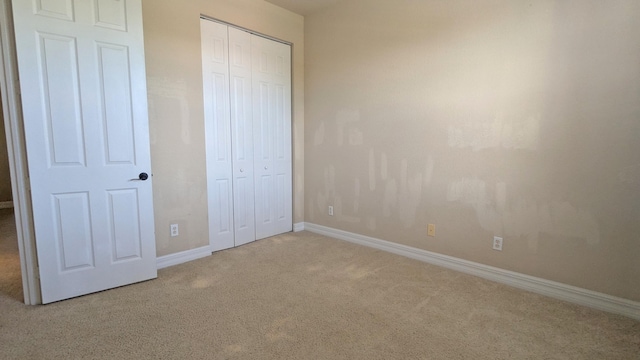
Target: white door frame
<point x="11" y="104"/>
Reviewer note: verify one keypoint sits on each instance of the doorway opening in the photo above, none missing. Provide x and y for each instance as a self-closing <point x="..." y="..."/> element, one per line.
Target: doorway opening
<point x="10" y="272"/>
<point x="16" y="223"/>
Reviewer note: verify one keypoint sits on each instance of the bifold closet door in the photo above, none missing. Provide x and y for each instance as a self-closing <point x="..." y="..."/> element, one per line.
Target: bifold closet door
<point x="271" y="77"/>
<point x="247" y="101"/>
<point x="241" y="135"/>
<point x="215" y="68"/>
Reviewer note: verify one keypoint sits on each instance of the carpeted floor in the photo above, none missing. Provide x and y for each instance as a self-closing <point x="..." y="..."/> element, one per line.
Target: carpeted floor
<point x="305" y="296"/>
<point x="10" y="276"/>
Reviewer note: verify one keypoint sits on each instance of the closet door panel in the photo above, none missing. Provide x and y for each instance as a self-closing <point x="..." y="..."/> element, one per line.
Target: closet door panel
<point x="242" y="135"/>
<point x="271" y="63"/>
<point x="220" y="182"/>
<point x="282" y="166"/>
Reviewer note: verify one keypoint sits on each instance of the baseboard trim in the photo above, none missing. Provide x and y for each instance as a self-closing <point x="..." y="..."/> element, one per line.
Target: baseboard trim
<point x="549" y="288"/>
<point x="182" y="257"/>
<point x="297" y="227"/>
<point x="6" y="204"/>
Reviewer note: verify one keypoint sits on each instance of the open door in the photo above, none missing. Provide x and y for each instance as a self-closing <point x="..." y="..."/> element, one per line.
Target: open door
<point x="84" y="100"/>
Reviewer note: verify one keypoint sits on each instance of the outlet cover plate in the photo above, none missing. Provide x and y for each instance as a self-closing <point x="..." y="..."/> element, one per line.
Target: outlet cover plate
<point x="497" y="243"/>
<point x="431" y="230"/>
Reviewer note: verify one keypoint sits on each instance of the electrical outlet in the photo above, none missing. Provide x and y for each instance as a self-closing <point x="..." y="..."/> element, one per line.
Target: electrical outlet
<point x="174" y="230"/>
<point x="497" y="243"/>
<point x="431" y="230"/>
<point x="330" y="210"/>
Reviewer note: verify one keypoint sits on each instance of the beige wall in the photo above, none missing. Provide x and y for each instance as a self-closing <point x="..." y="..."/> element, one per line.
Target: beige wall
<point x="176" y="120"/>
<point x="5" y="177"/>
<point x="512" y="118"/>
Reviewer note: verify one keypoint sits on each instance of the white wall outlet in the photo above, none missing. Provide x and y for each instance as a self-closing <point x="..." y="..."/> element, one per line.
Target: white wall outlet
<point x="497" y="243"/>
<point x="330" y="210"/>
<point x="174" y="230"/>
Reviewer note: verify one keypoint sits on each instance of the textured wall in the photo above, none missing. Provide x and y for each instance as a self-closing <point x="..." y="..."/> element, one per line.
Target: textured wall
<point x="512" y="118"/>
<point x="5" y="178"/>
<point x="176" y="120"/>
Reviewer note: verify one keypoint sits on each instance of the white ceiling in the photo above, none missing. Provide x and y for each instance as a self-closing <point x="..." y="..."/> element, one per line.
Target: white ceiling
<point x="303" y="7"/>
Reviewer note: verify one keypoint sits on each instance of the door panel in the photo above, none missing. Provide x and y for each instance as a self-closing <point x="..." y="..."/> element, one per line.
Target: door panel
<point x="111" y="14"/>
<point x="74" y="239"/>
<point x="242" y="215"/>
<point x="215" y="68"/>
<point x="60" y="9"/>
<point x="59" y="70"/>
<point x="115" y="97"/>
<point x="264" y="193"/>
<point x="281" y="197"/>
<point x="242" y="135"/>
<point x="86" y="128"/>
<point x="223" y="214"/>
<point x="272" y="142"/>
<point x="124" y="224"/>
<point x="279" y="141"/>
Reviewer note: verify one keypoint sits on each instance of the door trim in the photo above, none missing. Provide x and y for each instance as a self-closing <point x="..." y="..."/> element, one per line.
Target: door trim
<point x="14" y="128"/>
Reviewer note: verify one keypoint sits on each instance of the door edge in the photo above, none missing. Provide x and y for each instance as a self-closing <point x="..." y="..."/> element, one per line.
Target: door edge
<point x="16" y="150"/>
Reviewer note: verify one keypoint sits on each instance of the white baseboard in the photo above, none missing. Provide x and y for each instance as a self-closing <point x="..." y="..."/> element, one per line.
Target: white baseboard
<point x="6" y="204"/>
<point x="297" y="227"/>
<point x="182" y="257"/>
<point x="549" y="288"/>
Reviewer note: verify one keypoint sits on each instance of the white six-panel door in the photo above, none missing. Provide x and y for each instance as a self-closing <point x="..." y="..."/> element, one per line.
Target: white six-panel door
<point x="242" y="135"/>
<point x="83" y="85"/>
<point x="271" y="62"/>
<point x="249" y="186"/>
<point x="215" y="77"/>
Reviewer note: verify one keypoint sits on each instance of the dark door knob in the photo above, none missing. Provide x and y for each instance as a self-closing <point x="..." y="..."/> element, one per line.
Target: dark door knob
<point x="143" y="176"/>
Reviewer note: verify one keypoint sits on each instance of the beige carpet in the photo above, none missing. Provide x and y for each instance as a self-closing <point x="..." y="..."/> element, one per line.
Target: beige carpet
<point x="304" y="296"/>
<point x="10" y="276"/>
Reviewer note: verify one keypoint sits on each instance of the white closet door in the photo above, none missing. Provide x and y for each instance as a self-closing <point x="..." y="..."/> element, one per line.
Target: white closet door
<point x="271" y="63"/>
<point x="215" y="69"/>
<point x="247" y="100"/>
<point x="241" y="135"/>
